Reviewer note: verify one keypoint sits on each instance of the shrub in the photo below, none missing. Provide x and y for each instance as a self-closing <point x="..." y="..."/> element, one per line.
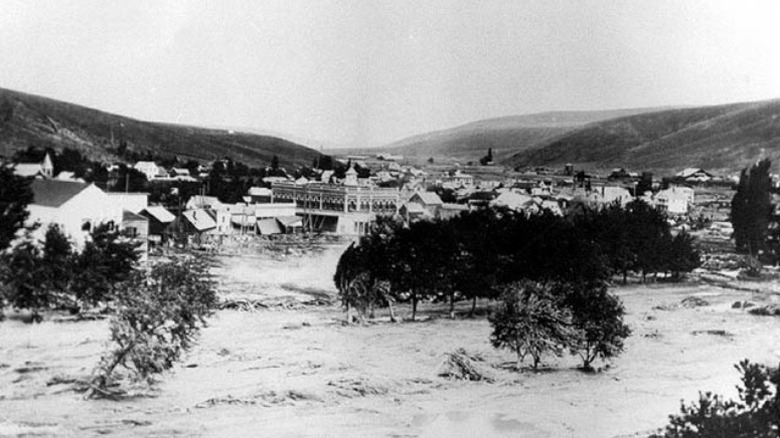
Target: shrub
<point x="751" y="266"/>
<point x="532" y="322"/>
<point x="756" y="414"/>
<point x="159" y="315"/>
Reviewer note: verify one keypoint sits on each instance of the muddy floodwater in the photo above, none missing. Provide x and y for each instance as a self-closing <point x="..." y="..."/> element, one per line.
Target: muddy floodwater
<point x="289" y="370"/>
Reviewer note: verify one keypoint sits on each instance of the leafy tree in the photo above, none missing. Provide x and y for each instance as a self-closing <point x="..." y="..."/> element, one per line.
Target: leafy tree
<point x="684" y="256"/>
<point x="108" y="258"/>
<point x="128" y="179"/>
<point x="57" y="262"/>
<point x="421" y="266"/>
<point x="530" y="321"/>
<point x="159" y="315"/>
<point x="650" y="237"/>
<point x="598" y="316"/>
<point x="751" y="208"/>
<point x="364" y="270"/>
<point x="274" y="163"/>
<point x="15" y="195"/>
<point x="756" y="414"/>
<point x="24" y="280"/>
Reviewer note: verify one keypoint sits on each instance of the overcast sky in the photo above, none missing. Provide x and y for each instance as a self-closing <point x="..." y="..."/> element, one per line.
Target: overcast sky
<point x="365" y="73"/>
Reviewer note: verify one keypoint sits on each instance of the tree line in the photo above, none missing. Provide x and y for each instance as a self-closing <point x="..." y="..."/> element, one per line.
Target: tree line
<point x="472" y="255"/>
<point x="532" y="264"/>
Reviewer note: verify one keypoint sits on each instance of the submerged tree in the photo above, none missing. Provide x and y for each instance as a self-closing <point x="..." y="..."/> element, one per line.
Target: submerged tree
<point x="530" y="321"/>
<point x="158" y="317"/>
<point x="598" y="316"/>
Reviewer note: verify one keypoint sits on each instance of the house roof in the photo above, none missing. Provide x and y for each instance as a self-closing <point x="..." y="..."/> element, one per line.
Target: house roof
<point x="28" y="169"/>
<point x="428" y="198"/>
<point x="685" y="173"/>
<point x="512" y="200"/>
<point x="268" y="226"/>
<point x="161" y="214"/>
<point x="200" y="219"/>
<point x="129" y="216"/>
<point x="55" y="193"/>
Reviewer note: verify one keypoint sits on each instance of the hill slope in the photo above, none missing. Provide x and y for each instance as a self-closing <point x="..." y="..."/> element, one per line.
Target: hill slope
<point x="724" y="137"/>
<point x="505" y="135"/>
<point x="28" y="120"/>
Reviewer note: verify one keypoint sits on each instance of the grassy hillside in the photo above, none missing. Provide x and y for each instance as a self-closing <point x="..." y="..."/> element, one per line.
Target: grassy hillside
<point x="28" y="120"/>
<point x="724" y="138"/>
<point x="505" y="135"/>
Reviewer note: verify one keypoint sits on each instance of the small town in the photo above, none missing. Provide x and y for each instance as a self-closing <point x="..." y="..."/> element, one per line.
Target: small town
<point x="351" y="219"/>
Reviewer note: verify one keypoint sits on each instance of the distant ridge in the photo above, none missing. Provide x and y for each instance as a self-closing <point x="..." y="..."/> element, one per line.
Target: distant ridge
<point x="29" y="120"/>
<point x="722" y="137"/>
<point x="505" y="135"/>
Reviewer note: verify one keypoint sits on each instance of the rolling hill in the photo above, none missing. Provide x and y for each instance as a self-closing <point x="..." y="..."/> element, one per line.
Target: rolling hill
<point x="28" y="120"/>
<point x="723" y="138"/>
<point x="505" y="135"/>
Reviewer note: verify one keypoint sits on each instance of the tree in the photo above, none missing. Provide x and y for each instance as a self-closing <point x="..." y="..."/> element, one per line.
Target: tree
<point x="755" y="415"/>
<point x="530" y="321"/>
<point x="108" y="258"/>
<point x="487" y="159"/>
<point x="23" y="280"/>
<point x="598" y="316"/>
<point x="684" y="256"/>
<point x="275" y="163"/>
<point x="751" y="209"/>
<point x="15" y="195"/>
<point x="158" y="318"/>
<point x="57" y="262"/>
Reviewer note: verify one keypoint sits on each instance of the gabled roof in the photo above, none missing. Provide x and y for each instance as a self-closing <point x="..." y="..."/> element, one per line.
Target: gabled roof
<point x="685" y="173"/>
<point x="161" y="214"/>
<point x="428" y="198"/>
<point x="28" y="169"/>
<point x="55" y="193"/>
<point x="200" y="219"/>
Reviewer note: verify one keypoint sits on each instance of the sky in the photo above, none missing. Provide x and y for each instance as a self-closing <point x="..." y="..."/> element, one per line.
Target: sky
<point x="366" y="73"/>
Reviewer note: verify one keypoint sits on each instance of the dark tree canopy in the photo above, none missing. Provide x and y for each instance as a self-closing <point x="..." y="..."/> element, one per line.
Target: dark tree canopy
<point x="751" y="209"/>
<point x="15" y="195"/>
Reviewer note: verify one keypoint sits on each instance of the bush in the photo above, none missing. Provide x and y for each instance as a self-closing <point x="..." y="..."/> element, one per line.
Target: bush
<point x="756" y="414"/>
<point x="159" y="315"/>
<point x="751" y="266"/>
<point x="531" y="321"/>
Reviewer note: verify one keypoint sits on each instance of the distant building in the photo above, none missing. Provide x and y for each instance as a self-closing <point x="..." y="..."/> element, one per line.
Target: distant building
<point x="343" y="209"/>
<point x="674" y="200"/>
<point x="43" y="169"/>
<point x="76" y="207"/>
<point x="259" y="195"/>
<point x="149" y="169"/>
<point x="694" y="174"/>
<point x="160" y="221"/>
